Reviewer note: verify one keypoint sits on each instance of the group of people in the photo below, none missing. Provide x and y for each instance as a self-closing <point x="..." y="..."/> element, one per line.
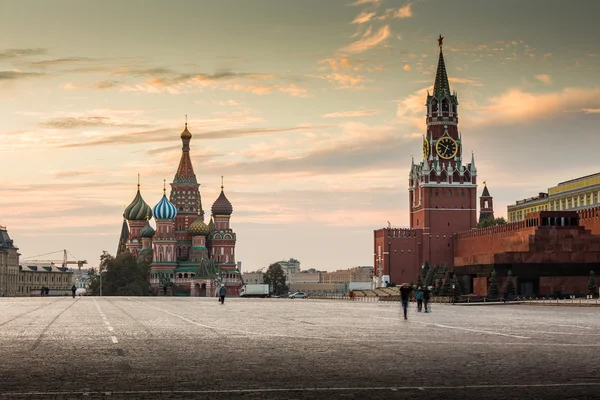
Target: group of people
<point x="421" y="295"/>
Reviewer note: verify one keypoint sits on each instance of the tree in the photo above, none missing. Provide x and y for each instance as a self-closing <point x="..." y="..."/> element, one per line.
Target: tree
<point x="488" y="222"/>
<point x="419" y="281"/>
<point x="276" y="278"/>
<point x="456" y="291"/>
<point x="509" y="285"/>
<point x="493" y="288"/>
<point x="446" y="289"/>
<point x="123" y="276"/>
<point x="425" y="271"/>
<point x="592" y="287"/>
<point x="93" y="282"/>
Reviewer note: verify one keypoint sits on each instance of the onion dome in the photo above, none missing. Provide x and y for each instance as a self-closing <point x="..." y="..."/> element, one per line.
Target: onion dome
<point x="148" y="231"/>
<point x="165" y="210"/>
<point x="186" y="134"/>
<point x="138" y="210"/>
<point x="199" y="228"/>
<point x="222" y="206"/>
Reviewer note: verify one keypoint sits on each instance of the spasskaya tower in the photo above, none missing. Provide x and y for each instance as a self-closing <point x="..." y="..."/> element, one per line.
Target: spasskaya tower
<point x="442" y="194"/>
<point x="442" y="188"/>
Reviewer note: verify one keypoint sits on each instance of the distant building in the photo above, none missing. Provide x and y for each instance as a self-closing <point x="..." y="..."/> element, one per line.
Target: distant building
<point x="356" y="274"/>
<point x="306" y="277"/>
<point x="517" y="211"/>
<point x="9" y="265"/>
<point x="253" y="278"/>
<point x="290" y="267"/>
<point x="32" y="278"/>
<point x="486" y="205"/>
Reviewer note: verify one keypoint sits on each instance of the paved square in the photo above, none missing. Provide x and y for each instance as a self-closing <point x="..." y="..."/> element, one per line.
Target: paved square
<point x="149" y="347"/>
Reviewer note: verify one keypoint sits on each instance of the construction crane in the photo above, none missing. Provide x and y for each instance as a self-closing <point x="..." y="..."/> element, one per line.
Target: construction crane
<point x="64" y="262"/>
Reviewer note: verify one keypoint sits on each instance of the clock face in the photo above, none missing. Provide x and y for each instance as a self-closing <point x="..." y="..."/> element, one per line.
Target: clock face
<point x="446" y="147"/>
<point x="425" y="149"/>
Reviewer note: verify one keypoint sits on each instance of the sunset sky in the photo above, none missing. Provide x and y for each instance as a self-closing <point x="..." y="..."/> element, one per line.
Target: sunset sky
<point x="310" y="109"/>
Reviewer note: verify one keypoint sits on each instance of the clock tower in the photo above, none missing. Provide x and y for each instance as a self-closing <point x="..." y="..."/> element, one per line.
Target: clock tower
<point x="442" y="187"/>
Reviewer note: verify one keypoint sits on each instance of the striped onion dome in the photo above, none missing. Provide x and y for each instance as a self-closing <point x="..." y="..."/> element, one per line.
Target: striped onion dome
<point x="165" y="210"/>
<point x="148" y="231"/>
<point x="222" y="206"/>
<point x="199" y="228"/>
<point x="138" y="210"/>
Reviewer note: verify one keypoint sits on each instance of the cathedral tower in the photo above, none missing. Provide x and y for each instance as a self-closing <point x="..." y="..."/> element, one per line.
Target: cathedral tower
<point x="164" y="241"/>
<point x="222" y="238"/>
<point x="442" y="187"/>
<point x="136" y="214"/>
<point x="185" y="196"/>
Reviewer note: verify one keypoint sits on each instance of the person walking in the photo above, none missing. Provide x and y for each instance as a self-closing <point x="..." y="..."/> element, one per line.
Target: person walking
<point x="73" y="290"/>
<point x="419" y="297"/>
<point x="222" y="294"/>
<point x="426" y="297"/>
<point x="404" y="294"/>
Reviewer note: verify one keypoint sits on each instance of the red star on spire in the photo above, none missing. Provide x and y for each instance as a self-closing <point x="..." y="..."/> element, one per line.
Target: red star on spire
<point x="440" y="40"/>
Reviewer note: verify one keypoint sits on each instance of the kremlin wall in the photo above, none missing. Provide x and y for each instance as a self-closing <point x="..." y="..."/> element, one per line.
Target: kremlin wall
<point x="550" y="244"/>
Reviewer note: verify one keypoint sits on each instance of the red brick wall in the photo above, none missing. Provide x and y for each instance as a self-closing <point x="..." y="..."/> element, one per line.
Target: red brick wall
<point x="590" y="219"/>
<point x="480" y="286"/>
<point x="564" y="284"/>
<point x="401" y="253"/>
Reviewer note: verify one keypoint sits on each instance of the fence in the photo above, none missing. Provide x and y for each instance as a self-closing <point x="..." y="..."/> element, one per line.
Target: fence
<point x="371" y="299"/>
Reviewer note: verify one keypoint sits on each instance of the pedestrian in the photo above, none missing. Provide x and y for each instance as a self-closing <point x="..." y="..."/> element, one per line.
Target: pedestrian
<point x="73" y="290"/>
<point x="47" y="291"/>
<point x="426" y="297"/>
<point x="222" y="293"/>
<point x="419" y="297"/>
<point x="404" y="294"/>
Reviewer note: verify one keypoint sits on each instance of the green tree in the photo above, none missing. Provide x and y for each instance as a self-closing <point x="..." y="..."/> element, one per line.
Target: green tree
<point x="275" y="277"/>
<point x="493" y="287"/>
<point x="509" y="285"/>
<point x="592" y="287"/>
<point x="487" y="222"/>
<point x="457" y="290"/>
<point x="425" y="271"/>
<point x="419" y="281"/>
<point x="93" y="282"/>
<point x="446" y="289"/>
<point x="123" y="275"/>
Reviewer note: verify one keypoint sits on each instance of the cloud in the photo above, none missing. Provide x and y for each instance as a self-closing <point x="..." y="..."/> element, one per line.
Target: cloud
<point x="346" y="81"/>
<point x="16" y="53"/>
<point x="517" y="106"/>
<point x="352" y="114"/>
<point x="60" y="62"/>
<point x="368" y="41"/>
<point x="403" y="12"/>
<point x="363" y="17"/>
<point x="76" y="173"/>
<point x="363" y="2"/>
<point x="166" y="135"/>
<point x="84" y="122"/>
<point x="406" y="67"/>
<point x="544" y="78"/>
<point x="591" y="110"/>
<point x="15" y="75"/>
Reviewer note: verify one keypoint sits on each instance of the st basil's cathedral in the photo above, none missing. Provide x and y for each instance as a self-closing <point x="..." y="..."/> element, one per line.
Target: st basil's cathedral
<point x="183" y="250"/>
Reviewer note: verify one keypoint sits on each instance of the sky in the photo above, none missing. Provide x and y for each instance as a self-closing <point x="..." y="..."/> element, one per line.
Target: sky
<point x="310" y="110"/>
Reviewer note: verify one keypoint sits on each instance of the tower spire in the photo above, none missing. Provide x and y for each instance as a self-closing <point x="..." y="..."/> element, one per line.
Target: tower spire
<point x="221" y="182"/>
<point x="441" y="86"/>
<point x="164" y="186"/>
<point x="138" y="181"/>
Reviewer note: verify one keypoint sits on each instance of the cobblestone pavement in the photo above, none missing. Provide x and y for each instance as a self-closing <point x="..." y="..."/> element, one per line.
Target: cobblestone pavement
<point x="183" y="348"/>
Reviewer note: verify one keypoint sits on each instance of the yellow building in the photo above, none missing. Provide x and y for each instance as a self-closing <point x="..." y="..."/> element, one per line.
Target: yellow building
<point x="517" y="211"/>
<point x="574" y="194"/>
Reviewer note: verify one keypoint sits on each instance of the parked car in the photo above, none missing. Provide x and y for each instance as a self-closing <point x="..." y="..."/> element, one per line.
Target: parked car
<point x="299" y="295"/>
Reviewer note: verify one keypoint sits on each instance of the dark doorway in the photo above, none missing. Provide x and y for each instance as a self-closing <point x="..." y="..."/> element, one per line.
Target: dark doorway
<point x="203" y="290"/>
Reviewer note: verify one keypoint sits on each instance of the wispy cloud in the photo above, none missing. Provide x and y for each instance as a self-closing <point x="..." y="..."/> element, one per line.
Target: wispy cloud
<point x="16" y="53"/>
<point x="85" y="122"/>
<point x="352" y="114"/>
<point x="363" y="17"/>
<point x="591" y="110"/>
<point x="370" y="40"/>
<point x="365" y="2"/>
<point x="544" y="78"/>
<point x="16" y="75"/>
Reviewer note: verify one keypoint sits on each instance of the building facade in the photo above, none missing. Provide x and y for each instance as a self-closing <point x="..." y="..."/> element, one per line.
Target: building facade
<point x="182" y="249"/>
<point x="575" y="194"/>
<point x="442" y="193"/>
<point x="253" y="277"/>
<point x="32" y="279"/>
<point x="356" y="274"/>
<point x="9" y="265"/>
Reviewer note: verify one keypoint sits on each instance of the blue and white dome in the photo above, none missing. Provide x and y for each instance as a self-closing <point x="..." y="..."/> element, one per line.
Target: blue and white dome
<point x="165" y="210"/>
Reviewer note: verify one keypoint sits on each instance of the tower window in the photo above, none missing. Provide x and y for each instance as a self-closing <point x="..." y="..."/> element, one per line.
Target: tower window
<point x="485" y="204"/>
